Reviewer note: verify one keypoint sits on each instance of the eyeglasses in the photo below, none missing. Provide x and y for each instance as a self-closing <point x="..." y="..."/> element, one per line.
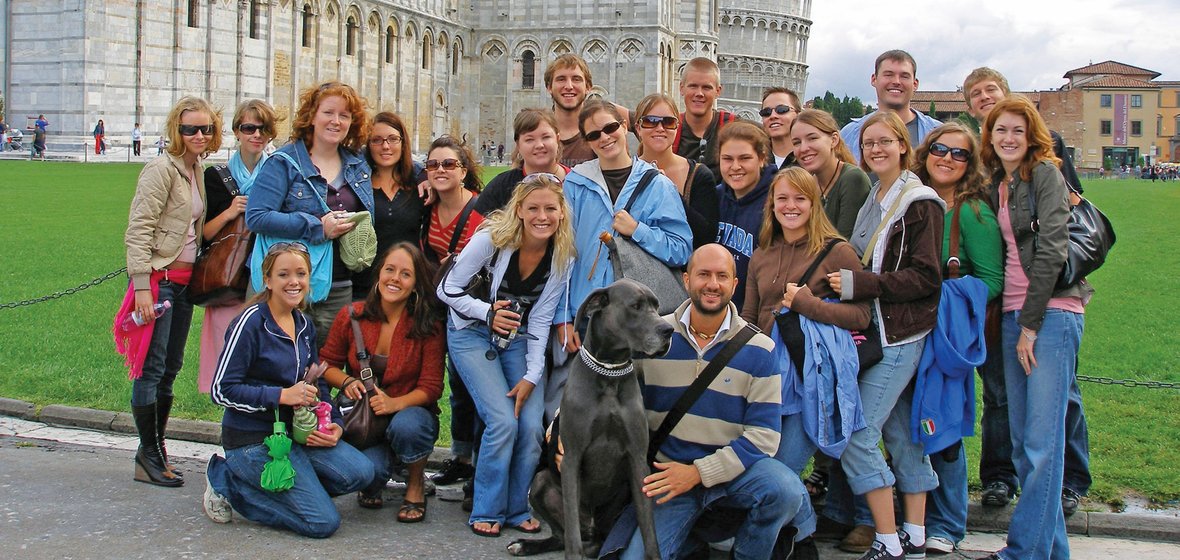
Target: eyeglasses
<point x="392" y="140"/>
<point x="939" y="149"/>
<point x="192" y="129"/>
<point x="608" y="129"/>
<point x="285" y="245"/>
<point x="449" y="164"/>
<point x="651" y="121"/>
<point x="780" y="109"/>
<point x="884" y="143"/>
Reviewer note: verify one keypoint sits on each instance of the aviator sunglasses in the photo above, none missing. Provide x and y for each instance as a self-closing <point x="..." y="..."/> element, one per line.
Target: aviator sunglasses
<point x="608" y="129"/>
<point x="780" y="109"/>
<point x="192" y="129"/>
<point x="651" y="121"/>
<point x="449" y="164"/>
<point x="939" y="149"/>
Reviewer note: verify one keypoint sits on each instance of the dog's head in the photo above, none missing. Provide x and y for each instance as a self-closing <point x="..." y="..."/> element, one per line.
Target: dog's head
<point x="625" y="316"/>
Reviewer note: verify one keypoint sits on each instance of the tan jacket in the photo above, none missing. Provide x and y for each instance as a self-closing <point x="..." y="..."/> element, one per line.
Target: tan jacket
<point x="161" y="211"/>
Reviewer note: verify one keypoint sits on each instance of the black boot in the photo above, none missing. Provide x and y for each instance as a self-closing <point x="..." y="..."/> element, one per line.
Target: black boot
<point x="149" y="460"/>
<point x="163" y="410"/>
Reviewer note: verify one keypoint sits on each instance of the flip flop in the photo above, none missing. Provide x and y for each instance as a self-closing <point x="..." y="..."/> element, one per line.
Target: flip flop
<point x="493" y="532"/>
<point x="369" y="501"/>
<point x="408" y="508"/>
<point x="522" y="528"/>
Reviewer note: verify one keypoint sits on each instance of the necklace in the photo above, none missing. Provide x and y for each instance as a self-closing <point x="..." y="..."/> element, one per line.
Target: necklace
<point x="700" y="334"/>
<point x="823" y="195"/>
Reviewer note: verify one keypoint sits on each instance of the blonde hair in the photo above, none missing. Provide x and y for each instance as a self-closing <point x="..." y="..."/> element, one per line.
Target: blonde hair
<point x="982" y="74"/>
<point x="819" y="227"/>
<point x="894" y="124"/>
<point x="176" y="145"/>
<point x="260" y="110"/>
<point x="507" y="229"/>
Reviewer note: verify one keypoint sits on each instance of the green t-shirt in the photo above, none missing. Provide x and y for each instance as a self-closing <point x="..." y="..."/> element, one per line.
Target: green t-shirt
<point x="981" y="251"/>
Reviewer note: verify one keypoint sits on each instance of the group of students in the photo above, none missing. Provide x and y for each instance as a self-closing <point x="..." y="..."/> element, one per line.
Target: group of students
<point x="846" y="245"/>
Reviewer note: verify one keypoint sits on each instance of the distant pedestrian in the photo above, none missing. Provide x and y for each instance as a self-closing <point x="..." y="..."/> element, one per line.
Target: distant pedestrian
<point x="136" y="139"/>
<point x="100" y="131"/>
<point x="160" y="145"/>
<point x="39" y="128"/>
<point x="500" y="152"/>
<point x="3" y="134"/>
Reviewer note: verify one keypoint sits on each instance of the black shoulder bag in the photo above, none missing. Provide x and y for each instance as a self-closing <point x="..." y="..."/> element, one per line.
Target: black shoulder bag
<point x="1090" y="238"/>
<point x="694" y="391"/>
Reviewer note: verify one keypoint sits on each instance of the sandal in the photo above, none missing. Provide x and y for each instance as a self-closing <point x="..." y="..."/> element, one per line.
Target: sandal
<point x="370" y="501"/>
<point x="530" y="531"/>
<point x="406" y="513"/>
<point x="492" y="531"/>
<point x="817" y="484"/>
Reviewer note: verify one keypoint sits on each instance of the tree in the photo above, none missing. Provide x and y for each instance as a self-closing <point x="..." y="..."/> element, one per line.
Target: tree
<point x="968" y="121"/>
<point x="842" y="109"/>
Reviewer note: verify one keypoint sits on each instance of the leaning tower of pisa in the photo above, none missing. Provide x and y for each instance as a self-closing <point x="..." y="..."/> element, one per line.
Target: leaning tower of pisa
<point x="761" y="43"/>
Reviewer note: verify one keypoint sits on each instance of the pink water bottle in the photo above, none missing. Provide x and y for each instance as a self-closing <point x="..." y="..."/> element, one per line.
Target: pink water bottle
<point x="135" y="319"/>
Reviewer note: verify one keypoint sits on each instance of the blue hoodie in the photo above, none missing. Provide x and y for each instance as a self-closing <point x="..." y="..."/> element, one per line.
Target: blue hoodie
<point x="738" y="223"/>
<point x="944" y="391"/>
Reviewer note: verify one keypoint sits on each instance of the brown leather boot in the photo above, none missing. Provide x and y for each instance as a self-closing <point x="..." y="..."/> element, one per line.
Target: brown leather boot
<point x="149" y="460"/>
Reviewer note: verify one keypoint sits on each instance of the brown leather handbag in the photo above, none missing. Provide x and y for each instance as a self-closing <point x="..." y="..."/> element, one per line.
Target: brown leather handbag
<point x="222" y="270"/>
<point x="363" y="428"/>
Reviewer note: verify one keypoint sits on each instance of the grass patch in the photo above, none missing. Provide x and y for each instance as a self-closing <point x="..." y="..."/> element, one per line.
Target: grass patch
<point x="62" y="352"/>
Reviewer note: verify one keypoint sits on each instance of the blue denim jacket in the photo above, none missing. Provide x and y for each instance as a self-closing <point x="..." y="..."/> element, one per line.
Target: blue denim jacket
<point x="282" y="202"/>
<point x="829" y="397"/>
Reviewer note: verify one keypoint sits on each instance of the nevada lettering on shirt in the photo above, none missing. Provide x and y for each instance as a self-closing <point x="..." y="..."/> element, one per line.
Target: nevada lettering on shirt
<point x="735" y="239"/>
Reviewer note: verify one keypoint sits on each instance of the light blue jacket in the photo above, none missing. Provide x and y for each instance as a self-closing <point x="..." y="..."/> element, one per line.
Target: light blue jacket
<point x="851" y="132"/>
<point x="663" y="228"/>
<point x="476" y="255"/>
<point x="282" y="203"/>
<point x="944" y="391"/>
<point x="829" y="385"/>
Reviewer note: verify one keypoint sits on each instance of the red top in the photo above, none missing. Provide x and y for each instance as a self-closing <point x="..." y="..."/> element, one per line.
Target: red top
<point x="438" y="236"/>
<point x="413" y="363"/>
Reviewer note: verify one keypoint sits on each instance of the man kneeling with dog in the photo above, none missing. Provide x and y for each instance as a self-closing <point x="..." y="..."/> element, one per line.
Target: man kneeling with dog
<point x="720" y="455"/>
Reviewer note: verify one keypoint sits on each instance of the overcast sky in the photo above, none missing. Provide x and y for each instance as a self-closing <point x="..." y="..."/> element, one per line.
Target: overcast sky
<point x="1032" y="42"/>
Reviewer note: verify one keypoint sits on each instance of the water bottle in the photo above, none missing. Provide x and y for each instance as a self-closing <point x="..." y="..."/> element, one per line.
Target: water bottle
<point x="135" y="319"/>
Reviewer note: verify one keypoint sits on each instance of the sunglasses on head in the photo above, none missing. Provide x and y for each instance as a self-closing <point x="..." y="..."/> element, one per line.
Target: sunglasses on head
<point x="538" y="177"/>
<point x="608" y="129"/>
<point x="192" y="129"/>
<point x="449" y="164"/>
<point x="780" y="109"/>
<point x="249" y="129"/>
<point x="651" y="121"/>
<point x="285" y="245"/>
<point x="939" y="149"/>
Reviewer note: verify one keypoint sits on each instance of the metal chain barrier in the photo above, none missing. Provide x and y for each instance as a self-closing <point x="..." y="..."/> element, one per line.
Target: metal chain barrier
<point x="1129" y="382"/>
<point x="63" y="293"/>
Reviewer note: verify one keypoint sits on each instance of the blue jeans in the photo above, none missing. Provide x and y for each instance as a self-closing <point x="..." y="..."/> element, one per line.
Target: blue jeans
<point x="1036" y="411"/>
<point x="306" y="509"/>
<point x="410" y="437"/>
<point x="165" y="354"/>
<point x="995" y="458"/>
<point x="841" y="504"/>
<point x="886" y="394"/>
<point x="946" y="506"/>
<point x="1077" y="441"/>
<point x="511" y="446"/>
<point x="794" y="450"/>
<point x="768" y="490"/>
<point x="462" y="415"/>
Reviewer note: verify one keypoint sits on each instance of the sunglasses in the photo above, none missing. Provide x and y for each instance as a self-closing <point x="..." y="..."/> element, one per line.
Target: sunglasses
<point x="939" y="149"/>
<point x="285" y="245"/>
<point x="192" y="129"/>
<point x="540" y="178"/>
<point x="249" y="129"/>
<point x="608" y="129"/>
<point x="651" y="121"/>
<point x="392" y="140"/>
<point x="449" y="164"/>
<point x="780" y="109"/>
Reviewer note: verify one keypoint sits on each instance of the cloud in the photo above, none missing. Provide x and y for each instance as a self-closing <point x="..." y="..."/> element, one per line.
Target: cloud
<point x="1032" y="43"/>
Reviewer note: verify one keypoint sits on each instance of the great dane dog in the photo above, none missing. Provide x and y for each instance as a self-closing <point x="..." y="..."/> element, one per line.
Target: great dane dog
<point x="603" y="427"/>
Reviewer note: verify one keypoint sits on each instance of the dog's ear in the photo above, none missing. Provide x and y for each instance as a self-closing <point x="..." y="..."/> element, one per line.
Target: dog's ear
<point x="595" y="302"/>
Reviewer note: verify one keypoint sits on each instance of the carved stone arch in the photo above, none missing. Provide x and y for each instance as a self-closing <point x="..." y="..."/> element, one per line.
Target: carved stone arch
<point x="395" y="25"/>
<point x="427" y="48"/>
<point x="444" y="39"/>
<point x="748" y="115"/>
<point x="725" y="20"/>
<point x="528" y="43"/>
<point x="373" y="25"/>
<point x="761" y="23"/>
<point x="456" y="55"/>
<point x="493" y="50"/>
<point x="744" y="67"/>
<point x="595" y="50"/>
<point x="748" y="22"/>
<point x="630" y="49"/>
<point x="410" y="33"/>
<point x="332" y="12"/>
<point x="440" y="99"/>
<point x="757" y="68"/>
<point x="794" y="28"/>
<point x="776" y="26"/>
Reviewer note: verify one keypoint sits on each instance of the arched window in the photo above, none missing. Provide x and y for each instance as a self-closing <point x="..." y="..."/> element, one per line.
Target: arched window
<point x="426" y="51"/>
<point x="255" y="19"/>
<point x="528" y="70"/>
<point x="455" y="54"/>
<point x="350" y="33"/>
<point x="307" y="17"/>
<point x="193" y="7"/>
<point x="390" y="42"/>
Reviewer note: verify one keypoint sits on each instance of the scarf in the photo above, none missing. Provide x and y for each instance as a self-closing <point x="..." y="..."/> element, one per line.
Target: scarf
<point x="133" y="344"/>
<point x="244" y="178"/>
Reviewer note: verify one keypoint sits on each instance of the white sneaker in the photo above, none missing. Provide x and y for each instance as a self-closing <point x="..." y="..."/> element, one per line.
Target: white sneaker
<point x="939" y="545"/>
<point x="215" y="505"/>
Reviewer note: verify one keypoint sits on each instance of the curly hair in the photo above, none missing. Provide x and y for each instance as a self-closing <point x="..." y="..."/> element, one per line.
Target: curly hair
<point x="403" y="170"/>
<point x="507" y="229"/>
<point x="424" y="306"/>
<point x="1040" y="143"/>
<point x="188" y="103"/>
<point x="309" y="103"/>
<point x="472" y="181"/>
<point x="972" y="186"/>
<point x="819" y="227"/>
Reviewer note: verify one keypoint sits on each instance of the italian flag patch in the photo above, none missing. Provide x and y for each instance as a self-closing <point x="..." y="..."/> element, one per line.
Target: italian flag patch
<point x="928" y="426"/>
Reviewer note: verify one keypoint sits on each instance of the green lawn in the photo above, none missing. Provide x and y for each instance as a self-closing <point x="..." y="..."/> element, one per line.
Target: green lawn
<point x="65" y="222"/>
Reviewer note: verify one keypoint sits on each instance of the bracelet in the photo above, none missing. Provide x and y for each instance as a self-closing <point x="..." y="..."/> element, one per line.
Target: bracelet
<point x="350" y="381"/>
<point x="1029" y="334"/>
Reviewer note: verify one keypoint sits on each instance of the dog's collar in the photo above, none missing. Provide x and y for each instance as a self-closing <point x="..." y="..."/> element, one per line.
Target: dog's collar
<point x="604" y="369"/>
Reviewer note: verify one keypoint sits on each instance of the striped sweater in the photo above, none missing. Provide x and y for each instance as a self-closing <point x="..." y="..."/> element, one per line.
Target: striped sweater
<point x="736" y="420"/>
